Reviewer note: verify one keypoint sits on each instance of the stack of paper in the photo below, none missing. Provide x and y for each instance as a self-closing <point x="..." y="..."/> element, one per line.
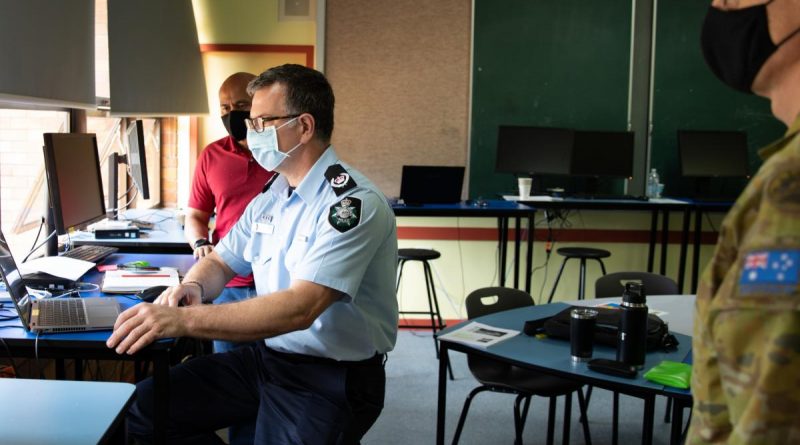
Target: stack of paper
<point x="128" y="281"/>
<point x="478" y="334"/>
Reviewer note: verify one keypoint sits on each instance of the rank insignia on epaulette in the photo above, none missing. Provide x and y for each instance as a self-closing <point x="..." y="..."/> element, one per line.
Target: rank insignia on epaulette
<point x="340" y="180"/>
<point x="770" y="272"/>
<point x="345" y="214"/>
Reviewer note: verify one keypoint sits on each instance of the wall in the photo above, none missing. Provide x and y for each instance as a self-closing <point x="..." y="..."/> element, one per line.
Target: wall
<point x="400" y="71"/>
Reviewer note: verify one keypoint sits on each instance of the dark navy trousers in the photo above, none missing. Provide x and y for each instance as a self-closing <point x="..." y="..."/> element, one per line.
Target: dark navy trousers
<point x="294" y="399"/>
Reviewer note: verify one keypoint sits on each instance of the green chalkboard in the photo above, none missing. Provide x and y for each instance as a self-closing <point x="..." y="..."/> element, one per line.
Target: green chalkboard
<point x="559" y="63"/>
<point x="686" y="95"/>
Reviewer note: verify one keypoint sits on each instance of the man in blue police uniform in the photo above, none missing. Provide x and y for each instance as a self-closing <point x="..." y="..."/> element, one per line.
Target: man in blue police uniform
<point x="321" y="242"/>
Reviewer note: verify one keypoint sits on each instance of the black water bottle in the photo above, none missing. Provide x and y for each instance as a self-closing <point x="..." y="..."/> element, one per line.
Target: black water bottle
<point x="632" y="334"/>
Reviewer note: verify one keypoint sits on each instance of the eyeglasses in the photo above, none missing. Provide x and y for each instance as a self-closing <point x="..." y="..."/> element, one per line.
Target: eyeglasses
<point x="258" y="124"/>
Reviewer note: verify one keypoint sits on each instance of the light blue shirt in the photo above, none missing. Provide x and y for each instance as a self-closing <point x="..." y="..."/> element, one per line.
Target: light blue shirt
<point x="346" y="242"/>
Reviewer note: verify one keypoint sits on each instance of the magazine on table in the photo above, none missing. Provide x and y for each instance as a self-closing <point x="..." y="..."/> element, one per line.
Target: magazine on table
<point x="478" y="334"/>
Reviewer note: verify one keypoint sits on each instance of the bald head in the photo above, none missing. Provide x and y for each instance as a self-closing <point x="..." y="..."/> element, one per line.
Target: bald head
<point x="233" y="93"/>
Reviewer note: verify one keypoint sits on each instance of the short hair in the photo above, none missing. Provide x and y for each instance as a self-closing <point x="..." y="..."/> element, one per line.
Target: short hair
<point x="307" y="91"/>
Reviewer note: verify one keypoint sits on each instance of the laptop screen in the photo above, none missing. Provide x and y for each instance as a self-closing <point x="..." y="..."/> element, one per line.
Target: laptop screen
<point x="431" y="184"/>
<point x="14" y="283"/>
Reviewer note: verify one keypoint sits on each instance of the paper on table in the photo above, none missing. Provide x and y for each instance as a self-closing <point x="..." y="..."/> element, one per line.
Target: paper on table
<point x="479" y="334"/>
<point x="127" y="281"/>
<point x="59" y="266"/>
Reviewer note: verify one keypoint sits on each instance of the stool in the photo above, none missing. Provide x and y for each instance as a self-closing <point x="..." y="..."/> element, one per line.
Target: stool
<point x="582" y="253"/>
<point x="424" y="256"/>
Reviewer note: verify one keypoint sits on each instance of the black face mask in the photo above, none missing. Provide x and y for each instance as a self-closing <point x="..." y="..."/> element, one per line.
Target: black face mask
<point x="234" y="123"/>
<point x="736" y="44"/>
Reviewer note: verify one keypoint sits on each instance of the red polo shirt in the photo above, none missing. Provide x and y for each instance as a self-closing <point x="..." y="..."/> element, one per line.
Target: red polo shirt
<point x="226" y="178"/>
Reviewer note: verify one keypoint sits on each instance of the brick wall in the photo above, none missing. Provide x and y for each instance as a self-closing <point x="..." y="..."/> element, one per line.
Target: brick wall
<point x="169" y="162"/>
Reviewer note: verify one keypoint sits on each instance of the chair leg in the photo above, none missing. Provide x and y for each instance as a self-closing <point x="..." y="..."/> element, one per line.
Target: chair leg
<point x="433" y="307"/>
<point x="582" y="279"/>
<point x="400" y="264"/>
<point x="602" y="266"/>
<point x="668" y="410"/>
<point x="555" y="284"/>
<point x="465" y="410"/>
<point x="588" y="398"/>
<point x="519" y="416"/>
<point x="615" y="419"/>
<point x="567" y="418"/>
<point x="583" y="406"/>
<point x="551" y="420"/>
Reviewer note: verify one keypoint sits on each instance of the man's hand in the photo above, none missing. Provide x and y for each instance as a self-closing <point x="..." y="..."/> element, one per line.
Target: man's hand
<point x="202" y="251"/>
<point x="144" y="323"/>
<point x="188" y="293"/>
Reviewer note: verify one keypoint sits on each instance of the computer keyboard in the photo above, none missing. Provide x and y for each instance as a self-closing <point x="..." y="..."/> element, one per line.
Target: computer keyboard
<point x="92" y="254"/>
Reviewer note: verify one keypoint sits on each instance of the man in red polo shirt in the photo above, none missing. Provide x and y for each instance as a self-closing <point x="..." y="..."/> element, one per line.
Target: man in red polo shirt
<point x="226" y="178"/>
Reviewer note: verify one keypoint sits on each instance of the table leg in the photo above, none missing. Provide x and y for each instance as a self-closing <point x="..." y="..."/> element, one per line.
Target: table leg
<point x="664" y="242"/>
<point x="651" y="253"/>
<point x="677" y="422"/>
<point x="647" y="423"/>
<point x="698" y="232"/>
<point x="61" y="369"/>
<point x="444" y="359"/>
<point x="529" y="253"/>
<point x="161" y="401"/>
<point x="687" y="215"/>
<point x="502" y="226"/>
<point x="615" y="419"/>
<point x="517" y="235"/>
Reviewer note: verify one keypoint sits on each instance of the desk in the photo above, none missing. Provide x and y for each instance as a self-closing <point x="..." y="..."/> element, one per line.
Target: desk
<point x="63" y="412"/>
<point x="551" y="356"/>
<point x="502" y="210"/>
<point x="166" y="237"/>
<point x="92" y="345"/>
<point x="664" y="205"/>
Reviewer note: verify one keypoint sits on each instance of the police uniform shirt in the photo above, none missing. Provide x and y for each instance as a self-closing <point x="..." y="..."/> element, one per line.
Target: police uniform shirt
<point x="339" y="233"/>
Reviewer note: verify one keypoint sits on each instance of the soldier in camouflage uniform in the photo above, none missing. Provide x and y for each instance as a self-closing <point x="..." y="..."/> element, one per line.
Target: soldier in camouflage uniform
<point x="746" y="344"/>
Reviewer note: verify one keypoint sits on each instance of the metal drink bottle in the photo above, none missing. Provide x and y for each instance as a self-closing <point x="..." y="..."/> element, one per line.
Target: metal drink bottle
<point x="632" y="333"/>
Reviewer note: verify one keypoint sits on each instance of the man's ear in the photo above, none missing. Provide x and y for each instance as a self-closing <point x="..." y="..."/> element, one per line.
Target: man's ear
<point x="308" y="125"/>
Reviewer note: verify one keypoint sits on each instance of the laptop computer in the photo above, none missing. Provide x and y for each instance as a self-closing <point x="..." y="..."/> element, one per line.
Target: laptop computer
<point x="421" y="184"/>
<point x="54" y="315"/>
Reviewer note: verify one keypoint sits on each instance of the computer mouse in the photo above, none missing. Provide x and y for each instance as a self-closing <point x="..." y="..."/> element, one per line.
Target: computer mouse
<point x="151" y="293"/>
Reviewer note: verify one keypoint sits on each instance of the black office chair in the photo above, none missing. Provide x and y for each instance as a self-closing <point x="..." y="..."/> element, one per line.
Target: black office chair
<point x="613" y="284"/>
<point x="501" y="377"/>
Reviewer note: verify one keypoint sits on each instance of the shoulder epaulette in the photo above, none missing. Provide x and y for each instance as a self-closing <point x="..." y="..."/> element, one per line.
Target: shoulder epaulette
<point x="339" y="179"/>
<point x="269" y="183"/>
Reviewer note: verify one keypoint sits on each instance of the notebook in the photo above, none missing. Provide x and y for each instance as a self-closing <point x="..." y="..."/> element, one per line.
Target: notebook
<point x="422" y="184"/>
<point x="129" y="282"/>
<point x="54" y="315"/>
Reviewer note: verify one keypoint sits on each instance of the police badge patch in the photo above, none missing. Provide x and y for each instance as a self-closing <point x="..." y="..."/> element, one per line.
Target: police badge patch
<point x="345" y="214"/>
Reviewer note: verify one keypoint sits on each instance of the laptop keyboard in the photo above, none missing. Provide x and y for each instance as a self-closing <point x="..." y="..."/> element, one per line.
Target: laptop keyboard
<point x="62" y="312"/>
<point x="93" y="254"/>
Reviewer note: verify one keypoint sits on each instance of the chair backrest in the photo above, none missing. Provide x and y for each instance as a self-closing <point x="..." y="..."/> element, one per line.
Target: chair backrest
<point x="489" y="300"/>
<point x="613" y="284"/>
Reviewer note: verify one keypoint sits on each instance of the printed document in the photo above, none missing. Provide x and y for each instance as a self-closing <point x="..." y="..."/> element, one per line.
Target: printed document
<point x="479" y="334"/>
<point x="128" y="281"/>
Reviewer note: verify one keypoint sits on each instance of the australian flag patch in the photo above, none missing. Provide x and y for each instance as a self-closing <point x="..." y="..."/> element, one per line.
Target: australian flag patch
<point x="770" y="272"/>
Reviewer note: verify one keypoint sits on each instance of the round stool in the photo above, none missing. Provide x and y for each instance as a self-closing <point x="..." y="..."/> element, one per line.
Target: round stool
<point x="582" y="253"/>
<point x="424" y="256"/>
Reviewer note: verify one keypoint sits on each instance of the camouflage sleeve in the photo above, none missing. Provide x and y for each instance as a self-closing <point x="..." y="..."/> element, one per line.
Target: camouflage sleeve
<point x="746" y="344"/>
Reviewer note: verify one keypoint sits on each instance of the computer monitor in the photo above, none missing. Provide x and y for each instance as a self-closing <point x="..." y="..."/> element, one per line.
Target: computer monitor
<point x="528" y="150"/>
<point x="713" y="154"/>
<point x="137" y="160"/>
<point x="603" y="154"/>
<point x="72" y="166"/>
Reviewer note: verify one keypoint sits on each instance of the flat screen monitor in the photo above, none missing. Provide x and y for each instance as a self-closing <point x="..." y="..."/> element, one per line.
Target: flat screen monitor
<point x="603" y="154"/>
<point x="137" y="161"/>
<point x="73" y="180"/>
<point x="533" y="150"/>
<point x="430" y="184"/>
<point x="713" y="154"/>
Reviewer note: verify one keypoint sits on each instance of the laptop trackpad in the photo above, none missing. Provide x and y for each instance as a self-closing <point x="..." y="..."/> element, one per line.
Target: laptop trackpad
<point x="102" y="311"/>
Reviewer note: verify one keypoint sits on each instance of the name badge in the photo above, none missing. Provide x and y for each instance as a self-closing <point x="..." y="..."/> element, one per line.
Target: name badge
<point x="264" y="228"/>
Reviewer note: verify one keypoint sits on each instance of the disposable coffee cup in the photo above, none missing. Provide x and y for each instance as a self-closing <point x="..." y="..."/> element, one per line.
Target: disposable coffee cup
<point x="581" y="333"/>
<point x="524" y="188"/>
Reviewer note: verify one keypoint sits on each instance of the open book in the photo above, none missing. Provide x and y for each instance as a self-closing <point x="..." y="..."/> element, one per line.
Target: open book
<point x="478" y="334"/>
<point x="128" y="282"/>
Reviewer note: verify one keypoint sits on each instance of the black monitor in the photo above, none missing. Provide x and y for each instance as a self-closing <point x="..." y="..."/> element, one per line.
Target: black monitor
<point x="137" y="159"/>
<point x="712" y="154"/>
<point x="603" y="154"/>
<point x="533" y="150"/>
<point x="72" y="166"/>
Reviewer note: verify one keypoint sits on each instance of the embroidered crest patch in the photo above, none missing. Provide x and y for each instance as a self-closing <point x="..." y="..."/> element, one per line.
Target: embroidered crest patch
<point x="345" y="214"/>
<point x="770" y="271"/>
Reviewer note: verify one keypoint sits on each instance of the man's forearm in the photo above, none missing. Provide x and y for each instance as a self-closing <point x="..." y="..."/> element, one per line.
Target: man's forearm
<point x="212" y="274"/>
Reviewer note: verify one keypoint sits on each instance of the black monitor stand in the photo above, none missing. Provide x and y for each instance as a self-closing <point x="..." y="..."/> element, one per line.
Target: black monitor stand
<point x="114" y="159"/>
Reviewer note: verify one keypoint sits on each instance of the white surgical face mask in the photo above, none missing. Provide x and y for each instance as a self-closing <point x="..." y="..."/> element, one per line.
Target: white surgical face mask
<point x="264" y="146"/>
